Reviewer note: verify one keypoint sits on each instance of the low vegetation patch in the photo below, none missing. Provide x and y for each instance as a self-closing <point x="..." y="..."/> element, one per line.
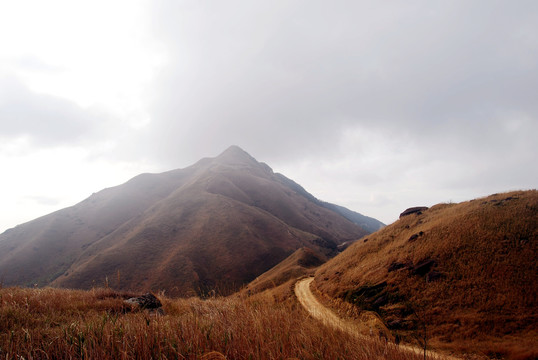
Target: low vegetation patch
<point x="97" y="324"/>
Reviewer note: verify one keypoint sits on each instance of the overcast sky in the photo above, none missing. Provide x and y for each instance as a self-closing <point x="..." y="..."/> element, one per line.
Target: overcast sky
<point x="374" y="105"/>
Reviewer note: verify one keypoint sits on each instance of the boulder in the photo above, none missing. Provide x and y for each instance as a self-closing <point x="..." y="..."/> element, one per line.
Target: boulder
<point x="396" y="266"/>
<point x="414" y="210"/>
<point x="424" y="267"/>
<point x="147" y="301"/>
<point x="433" y="276"/>
<point x="415" y="236"/>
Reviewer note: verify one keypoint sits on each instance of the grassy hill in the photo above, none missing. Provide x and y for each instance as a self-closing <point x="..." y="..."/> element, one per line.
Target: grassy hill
<point x="283" y="276"/>
<point x="462" y="276"/>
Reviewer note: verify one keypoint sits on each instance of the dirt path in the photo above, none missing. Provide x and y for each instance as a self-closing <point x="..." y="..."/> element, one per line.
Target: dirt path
<point x="318" y="311"/>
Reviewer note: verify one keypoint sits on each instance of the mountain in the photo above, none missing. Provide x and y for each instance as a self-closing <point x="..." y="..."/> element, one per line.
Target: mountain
<point x="212" y="226"/>
<point x="367" y="223"/>
<point x="464" y="276"/>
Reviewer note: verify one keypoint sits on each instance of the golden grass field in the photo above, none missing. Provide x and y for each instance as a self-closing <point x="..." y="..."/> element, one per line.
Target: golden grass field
<point x="74" y="324"/>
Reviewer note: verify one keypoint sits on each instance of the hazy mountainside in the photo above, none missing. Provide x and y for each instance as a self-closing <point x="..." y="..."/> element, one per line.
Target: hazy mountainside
<point x="302" y="262"/>
<point x="467" y="272"/>
<point x="367" y="223"/>
<point x="214" y="225"/>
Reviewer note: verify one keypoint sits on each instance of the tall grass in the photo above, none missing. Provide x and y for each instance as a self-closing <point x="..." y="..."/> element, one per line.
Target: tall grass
<point x="68" y="324"/>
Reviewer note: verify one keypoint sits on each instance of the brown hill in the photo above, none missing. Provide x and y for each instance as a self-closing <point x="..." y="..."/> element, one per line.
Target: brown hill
<point x="212" y="226"/>
<point x="302" y="262"/>
<point x="463" y="276"/>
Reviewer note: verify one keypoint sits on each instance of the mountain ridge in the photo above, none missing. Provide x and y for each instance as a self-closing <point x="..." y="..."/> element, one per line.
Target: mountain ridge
<point x="187" y="224"/>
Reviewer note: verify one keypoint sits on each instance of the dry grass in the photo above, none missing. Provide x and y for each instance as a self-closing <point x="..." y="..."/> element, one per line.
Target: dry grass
<point x="68" y="324"/>
<point x="482" y="293"/>
<point x="302" y="262"/>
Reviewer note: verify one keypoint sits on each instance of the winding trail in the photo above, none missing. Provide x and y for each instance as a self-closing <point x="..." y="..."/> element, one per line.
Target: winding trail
<point x="320" y="312"/>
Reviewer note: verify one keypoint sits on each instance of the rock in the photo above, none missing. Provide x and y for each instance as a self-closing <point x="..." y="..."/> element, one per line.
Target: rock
<point x="415" y="236"/>
<point x="146" y="301"/>
<point x="424" y="267"/>
<point x="380" y="301"/>
<point x="368" y="294"/>
<point x="433" y="276"/>
<point x="395" y="324"/>
<point x="414" y="210"/>
<point x="395" y="266"/>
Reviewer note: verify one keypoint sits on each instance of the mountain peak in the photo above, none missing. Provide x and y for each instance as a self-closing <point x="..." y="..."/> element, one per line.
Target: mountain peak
<point x="234" y="150"/>
<point x="234" y="154"/>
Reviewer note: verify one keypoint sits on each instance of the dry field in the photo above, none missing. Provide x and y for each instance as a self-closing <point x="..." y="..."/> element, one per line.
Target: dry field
<point x="73" y="324"/>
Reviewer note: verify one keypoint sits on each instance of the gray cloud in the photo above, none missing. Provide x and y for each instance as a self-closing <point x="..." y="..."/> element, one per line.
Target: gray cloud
<point x="286" y="80"/>
<point x="47" y="120"/>
<point x="453" y="84"/>
<point x="35" y="64"/>
<point x="375" y="105"/>
<point x="43" y="200"/>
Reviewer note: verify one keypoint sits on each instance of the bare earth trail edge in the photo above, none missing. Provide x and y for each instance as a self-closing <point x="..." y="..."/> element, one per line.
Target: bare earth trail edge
<point x="329" y="318"/>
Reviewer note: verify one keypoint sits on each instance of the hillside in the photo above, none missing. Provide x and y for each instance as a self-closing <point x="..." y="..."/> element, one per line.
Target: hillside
<point x="462" y="276"/>
<point x="210" y="227"/>
<point x="302" y="262"/>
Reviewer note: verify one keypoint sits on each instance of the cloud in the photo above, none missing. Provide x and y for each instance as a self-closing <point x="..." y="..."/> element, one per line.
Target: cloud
<point x="46" y="120"/>
<point x="447" y="91"/>
<point x="44" y="200"/>
<point x="33" y="63"/>
<point x="374" y="105"/>
<point x="287" y="80"/>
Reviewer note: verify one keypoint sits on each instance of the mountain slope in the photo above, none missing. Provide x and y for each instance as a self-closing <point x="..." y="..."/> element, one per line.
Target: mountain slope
<point x="302" y="262"/>
<point x="367" y="223"/>
<point x="465" y="274"/>
<point x="212" y="226"/>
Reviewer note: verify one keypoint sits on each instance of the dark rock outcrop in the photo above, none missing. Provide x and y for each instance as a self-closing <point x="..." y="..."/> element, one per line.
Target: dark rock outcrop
<point x="424" y="267"/>
<point x="434" y="275"/>
<point x="415" y="236"/>
<point x="414" y="210"/>
<point x="372" y="297"/>
<point x="147" y="301"/>
<point x="396" y="266"/>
